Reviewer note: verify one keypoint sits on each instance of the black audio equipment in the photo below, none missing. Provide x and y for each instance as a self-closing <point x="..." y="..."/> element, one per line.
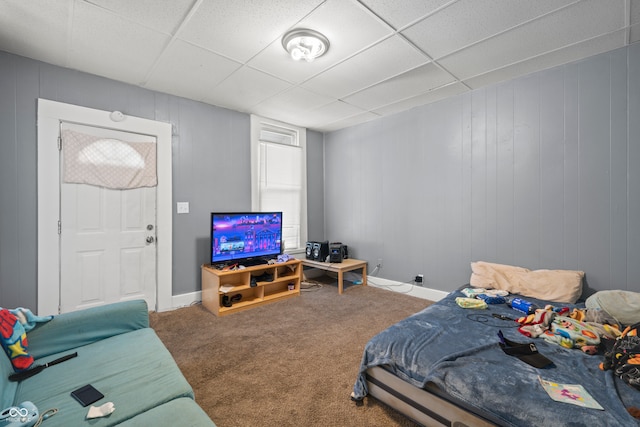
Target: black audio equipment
<point x="320" y="251"/>
<point x="338" y="252"/>
<point x="309" y="252"/>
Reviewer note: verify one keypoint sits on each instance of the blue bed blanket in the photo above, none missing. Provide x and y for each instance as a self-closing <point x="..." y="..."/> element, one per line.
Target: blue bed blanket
<point x="457" y="350"/>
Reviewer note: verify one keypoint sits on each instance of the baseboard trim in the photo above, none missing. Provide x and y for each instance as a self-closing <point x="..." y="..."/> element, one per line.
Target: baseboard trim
<point x="406" y="288"/>
<point x="185" y="300"/>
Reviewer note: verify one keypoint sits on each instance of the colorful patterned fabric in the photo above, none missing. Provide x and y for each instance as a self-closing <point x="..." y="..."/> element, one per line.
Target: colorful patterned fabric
<point x="14" y="325"/>
<point x="624" y="357"/>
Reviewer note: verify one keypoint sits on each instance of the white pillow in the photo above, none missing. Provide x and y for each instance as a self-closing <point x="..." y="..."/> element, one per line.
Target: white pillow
<point x="551" y="285"/>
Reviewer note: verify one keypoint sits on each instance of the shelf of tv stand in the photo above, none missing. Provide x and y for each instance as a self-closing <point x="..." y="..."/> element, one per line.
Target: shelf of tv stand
<point x="284" y="274"/>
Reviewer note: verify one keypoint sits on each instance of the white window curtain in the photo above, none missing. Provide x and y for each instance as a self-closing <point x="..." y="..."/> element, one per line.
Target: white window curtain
<point x="281" y="187"/>
<point x="108" y="162"/>
<point x="278" y="177"/>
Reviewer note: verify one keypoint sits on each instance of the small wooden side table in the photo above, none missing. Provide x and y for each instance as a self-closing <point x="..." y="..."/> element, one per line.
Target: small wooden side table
<point x="340" y="268"/>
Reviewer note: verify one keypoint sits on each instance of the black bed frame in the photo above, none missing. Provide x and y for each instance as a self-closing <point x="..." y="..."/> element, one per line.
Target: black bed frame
<point x="427" y="407"/>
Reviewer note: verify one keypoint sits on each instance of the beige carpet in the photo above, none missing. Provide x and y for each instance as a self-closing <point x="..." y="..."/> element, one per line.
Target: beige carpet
<point x="289" y="363"/>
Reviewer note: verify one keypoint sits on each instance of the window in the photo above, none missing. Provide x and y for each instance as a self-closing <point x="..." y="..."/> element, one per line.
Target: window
<point x="278" y="177"/>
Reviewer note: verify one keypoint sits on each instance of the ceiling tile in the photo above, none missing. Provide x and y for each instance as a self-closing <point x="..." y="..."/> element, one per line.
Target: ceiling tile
<point x="537" y="37"/>
<point x="416" y="81"/>
<point x="386" y="59"/>
<point x="467" y="21"/>
<point x="330" y="113"/>
<point x="35" y="29"/>
<point x="292" y="102"/>
<point x="276" y="61"/>
<point x="335" y="20"/>
<point x="348" y="25"/>
<point x="410" y="11"/>
<point x="165" y="19"/>
<point x="190" y="71"/>
<point x="422" y="99"/>
<point x="240" y="29"/>
<point x="350" y="121"/>
<point x="561" y="56"/>
<point x="229" y="53"/>
<point x="244" y="89"/>
<point x="125" y="52"/>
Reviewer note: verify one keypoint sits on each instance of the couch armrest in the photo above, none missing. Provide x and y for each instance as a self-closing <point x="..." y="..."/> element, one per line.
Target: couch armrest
<point x="71" y="330"/>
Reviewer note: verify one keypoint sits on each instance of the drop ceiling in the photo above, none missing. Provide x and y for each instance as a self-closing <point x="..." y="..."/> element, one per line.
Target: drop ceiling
<point x="385" y="56"/>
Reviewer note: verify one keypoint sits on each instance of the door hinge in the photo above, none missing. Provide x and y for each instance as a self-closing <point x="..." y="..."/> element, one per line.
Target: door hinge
<point x="59" y="143"/>
<point x="59" y="227"/>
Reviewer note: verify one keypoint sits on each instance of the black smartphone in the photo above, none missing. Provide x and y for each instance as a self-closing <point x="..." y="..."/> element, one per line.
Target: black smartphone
<point x="87" y="395"/>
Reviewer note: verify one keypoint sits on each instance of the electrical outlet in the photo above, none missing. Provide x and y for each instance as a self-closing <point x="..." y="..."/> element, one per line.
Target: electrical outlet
<point x="419" y="280"/>
<point x="379" y="263"/>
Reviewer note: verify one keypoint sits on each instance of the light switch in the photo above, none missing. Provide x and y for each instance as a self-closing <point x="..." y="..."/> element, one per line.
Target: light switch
<point x="183" y="207"/>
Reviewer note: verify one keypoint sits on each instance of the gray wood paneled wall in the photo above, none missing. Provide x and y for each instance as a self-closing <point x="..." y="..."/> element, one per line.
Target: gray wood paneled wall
<point x="542" y="172"/>
<point x="211" y="166"/>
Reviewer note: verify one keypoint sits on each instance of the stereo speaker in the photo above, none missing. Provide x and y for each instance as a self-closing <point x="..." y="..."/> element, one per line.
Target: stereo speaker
<point x="320" y="251"/>
<point x="338" y="252"/>
<point x="309" y="251"/>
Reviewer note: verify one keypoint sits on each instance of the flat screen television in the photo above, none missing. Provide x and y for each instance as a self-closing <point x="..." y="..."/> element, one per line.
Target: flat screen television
<point x="245" y="237"/>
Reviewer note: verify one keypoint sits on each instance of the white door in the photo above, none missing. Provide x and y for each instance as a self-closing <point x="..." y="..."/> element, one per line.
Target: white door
<point x="50" y="116"/>
<point x="107" y="239"/>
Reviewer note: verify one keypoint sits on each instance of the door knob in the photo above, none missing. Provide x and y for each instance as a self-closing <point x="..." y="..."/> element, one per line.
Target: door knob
<point x="150" y="227"/>
<point x="150" y="239"/>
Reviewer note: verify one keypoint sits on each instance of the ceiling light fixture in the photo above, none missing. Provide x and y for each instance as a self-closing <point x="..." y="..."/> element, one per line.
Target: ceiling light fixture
<point x="305" y="44"/>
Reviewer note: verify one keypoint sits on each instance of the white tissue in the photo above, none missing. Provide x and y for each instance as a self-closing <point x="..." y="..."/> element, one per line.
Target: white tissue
<point x="101" y="411"/>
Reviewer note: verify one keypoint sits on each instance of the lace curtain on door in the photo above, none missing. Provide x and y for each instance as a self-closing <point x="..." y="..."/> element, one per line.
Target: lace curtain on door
<point x="108" y="162"/>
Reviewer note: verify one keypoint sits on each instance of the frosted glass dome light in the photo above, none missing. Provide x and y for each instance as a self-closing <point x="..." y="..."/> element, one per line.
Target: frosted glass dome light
<point x="305" y="44"/>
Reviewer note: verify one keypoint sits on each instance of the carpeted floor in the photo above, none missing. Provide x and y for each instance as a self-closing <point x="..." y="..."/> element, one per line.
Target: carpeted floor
<point x="290" y="363"/>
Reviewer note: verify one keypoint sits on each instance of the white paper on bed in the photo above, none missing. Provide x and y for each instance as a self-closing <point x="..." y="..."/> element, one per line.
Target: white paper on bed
<point x="552" y="285"/>
<point x="574" y="394"/>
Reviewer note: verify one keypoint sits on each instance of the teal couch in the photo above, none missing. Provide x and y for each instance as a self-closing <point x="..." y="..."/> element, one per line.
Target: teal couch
<point x="120" y="355"/>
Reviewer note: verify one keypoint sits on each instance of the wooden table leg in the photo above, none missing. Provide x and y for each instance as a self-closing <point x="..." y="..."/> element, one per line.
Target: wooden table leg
<point x="364" y="275"/>
<point x="339" y="281"/>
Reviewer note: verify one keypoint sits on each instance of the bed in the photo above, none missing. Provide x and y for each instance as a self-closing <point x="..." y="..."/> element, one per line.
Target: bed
<point x="444" y="366"/>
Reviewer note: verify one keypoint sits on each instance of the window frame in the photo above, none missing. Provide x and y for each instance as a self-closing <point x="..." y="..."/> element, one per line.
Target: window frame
<point x="259" y="124"/>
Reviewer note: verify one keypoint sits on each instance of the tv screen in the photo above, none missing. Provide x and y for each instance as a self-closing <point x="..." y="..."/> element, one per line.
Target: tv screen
<point x="244" y="235"/>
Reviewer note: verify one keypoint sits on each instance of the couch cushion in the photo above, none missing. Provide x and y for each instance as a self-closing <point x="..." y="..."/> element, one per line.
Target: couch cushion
<point x="134" y="370"/>
<point x="183" y="412"/>
<point x="8" y="387"/>
<point x="77" y="328"/>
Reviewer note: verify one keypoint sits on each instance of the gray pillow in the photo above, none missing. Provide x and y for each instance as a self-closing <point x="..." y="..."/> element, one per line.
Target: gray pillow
<point x="623" y="306"/>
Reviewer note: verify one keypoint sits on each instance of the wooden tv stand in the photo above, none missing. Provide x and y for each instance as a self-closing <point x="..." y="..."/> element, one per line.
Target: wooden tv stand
<point x="285" y="284"/>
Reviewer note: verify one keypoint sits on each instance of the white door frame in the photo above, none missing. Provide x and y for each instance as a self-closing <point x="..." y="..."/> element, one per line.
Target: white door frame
<point x="50" y="114"/>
